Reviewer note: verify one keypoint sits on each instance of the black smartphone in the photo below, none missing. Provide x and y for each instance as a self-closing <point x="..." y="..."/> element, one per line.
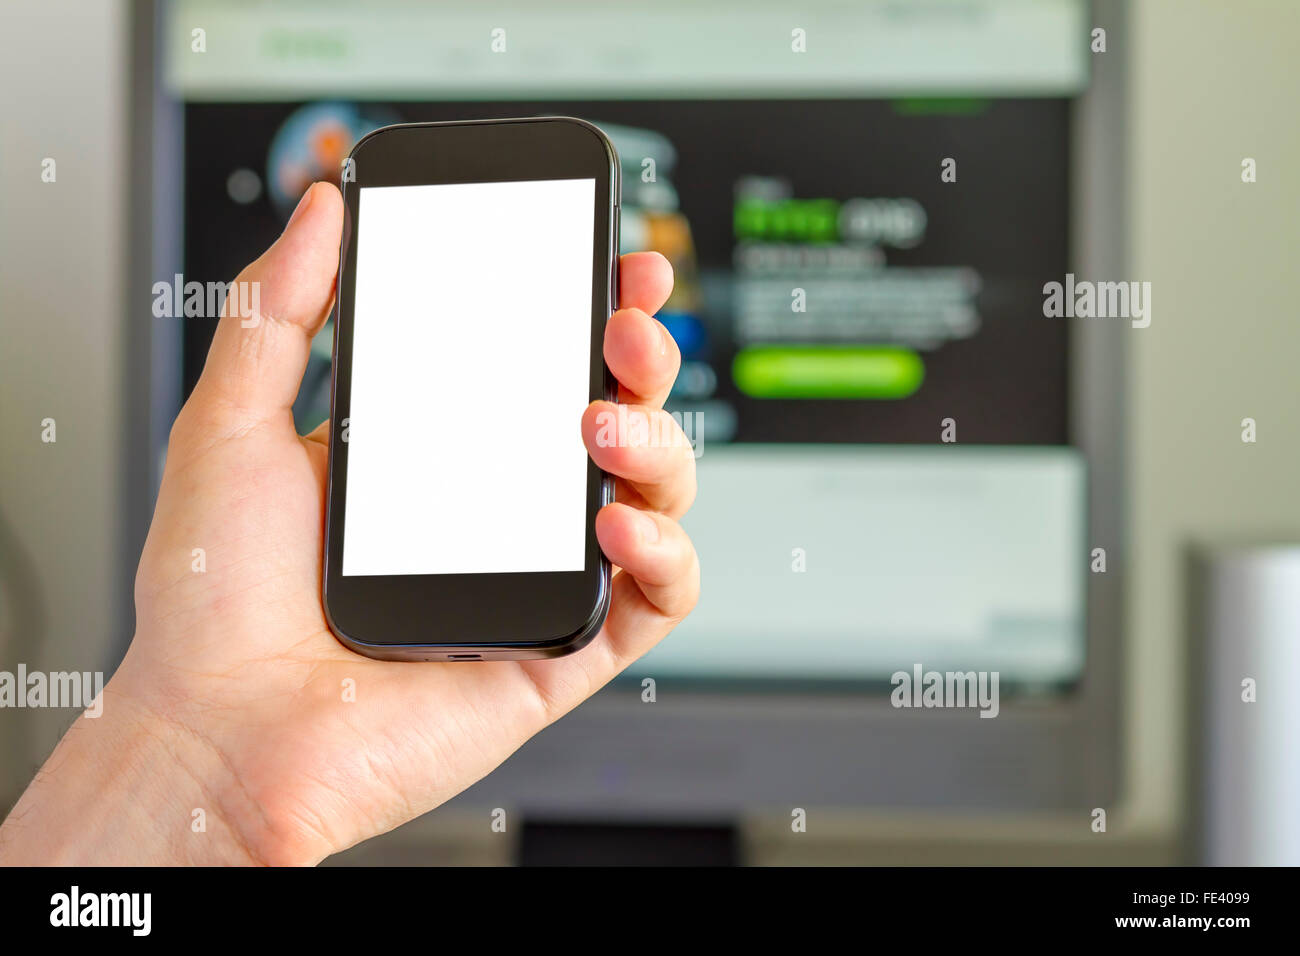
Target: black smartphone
<point x="477" y="270"/>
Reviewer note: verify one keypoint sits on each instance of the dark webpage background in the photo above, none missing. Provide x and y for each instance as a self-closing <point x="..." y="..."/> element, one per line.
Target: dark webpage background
<point x="1006" y="217"/>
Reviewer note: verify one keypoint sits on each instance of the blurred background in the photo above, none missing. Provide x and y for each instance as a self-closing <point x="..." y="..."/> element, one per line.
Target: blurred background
<point x="1099" y="533"/>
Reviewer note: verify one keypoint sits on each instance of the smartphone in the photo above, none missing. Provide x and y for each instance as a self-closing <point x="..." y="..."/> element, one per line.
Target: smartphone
<point x="477" y="270"/>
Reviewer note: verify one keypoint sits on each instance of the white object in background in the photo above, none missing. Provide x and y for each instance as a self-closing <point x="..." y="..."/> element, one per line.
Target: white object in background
<point x="959" y="557"/>
<point x="1251" y="760"/>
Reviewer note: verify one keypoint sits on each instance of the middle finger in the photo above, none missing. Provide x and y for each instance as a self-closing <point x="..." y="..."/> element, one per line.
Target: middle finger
<point x="646" y="448"/>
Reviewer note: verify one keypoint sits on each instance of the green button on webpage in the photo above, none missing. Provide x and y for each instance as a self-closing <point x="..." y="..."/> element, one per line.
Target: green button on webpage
<point x="827" y="371"/>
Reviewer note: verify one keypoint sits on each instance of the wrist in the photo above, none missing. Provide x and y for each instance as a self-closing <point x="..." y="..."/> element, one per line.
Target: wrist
<point x="131" y="788"/>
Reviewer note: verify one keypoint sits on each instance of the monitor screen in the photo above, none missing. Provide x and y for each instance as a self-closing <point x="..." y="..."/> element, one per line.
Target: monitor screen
<point x="878" y="404"/>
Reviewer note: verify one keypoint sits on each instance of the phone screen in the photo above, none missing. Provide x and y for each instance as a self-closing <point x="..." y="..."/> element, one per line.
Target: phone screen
<point x="470" y="370"/>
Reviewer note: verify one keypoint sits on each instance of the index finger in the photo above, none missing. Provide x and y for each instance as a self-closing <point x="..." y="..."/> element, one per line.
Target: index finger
<point x="638" y="348"/>
<point x="645" y="280"/>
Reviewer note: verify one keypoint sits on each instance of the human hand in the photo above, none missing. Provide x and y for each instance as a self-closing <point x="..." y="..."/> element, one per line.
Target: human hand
<point x="231" y="698"/>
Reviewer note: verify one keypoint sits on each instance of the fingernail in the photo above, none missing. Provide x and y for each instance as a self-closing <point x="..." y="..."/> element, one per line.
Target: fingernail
<point x="649" y="528"/>
<point x="303" y="203"/>
<point x="665" y="337"/>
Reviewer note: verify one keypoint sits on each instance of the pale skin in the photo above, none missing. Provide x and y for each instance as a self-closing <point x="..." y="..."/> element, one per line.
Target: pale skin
<point x="232" y="697"/>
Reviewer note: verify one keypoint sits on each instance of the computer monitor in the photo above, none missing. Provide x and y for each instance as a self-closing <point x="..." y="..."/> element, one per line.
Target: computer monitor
<point x="903" y="462"/>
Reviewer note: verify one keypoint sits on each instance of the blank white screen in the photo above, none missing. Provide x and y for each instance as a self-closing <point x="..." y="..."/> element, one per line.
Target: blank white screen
<point x="470" y="370"/>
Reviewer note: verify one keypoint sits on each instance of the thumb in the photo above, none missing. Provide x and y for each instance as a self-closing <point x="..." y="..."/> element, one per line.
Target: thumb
<point x="263" y="340"/>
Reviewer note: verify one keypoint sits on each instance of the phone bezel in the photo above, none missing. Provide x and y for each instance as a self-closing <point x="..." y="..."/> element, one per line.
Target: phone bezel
<point x="493" y="616"/>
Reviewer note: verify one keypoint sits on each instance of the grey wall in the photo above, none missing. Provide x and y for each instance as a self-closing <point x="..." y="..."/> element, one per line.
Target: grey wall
<point x="1212" y="83"/>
